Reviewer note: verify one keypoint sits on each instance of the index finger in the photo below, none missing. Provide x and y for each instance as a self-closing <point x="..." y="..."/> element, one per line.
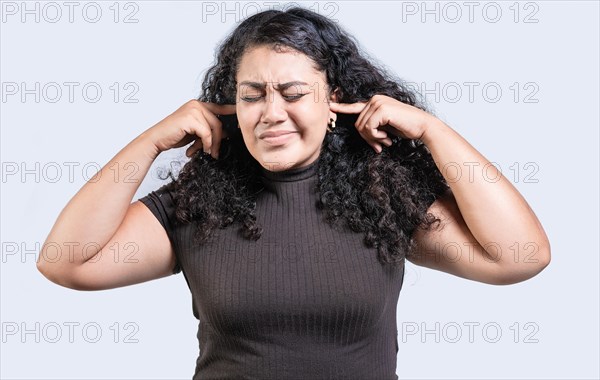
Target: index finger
<point x="347" y="107"/>
<point x="220" y="109"/>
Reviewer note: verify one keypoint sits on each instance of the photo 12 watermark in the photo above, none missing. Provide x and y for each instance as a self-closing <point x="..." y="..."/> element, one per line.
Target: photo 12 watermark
<point x="477" y="92"/>
<point x="50" y="252"/>
<point x="70" y="12"/>
<point x="70" y="92"/>
<point x="236" y="11"/>
<point x="471" y="12"/>
<point x="69" y="332"/>
<point x="469" y="332"/>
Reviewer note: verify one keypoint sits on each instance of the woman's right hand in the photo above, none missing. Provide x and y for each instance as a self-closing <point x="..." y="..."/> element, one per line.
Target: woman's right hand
<point x="195" y="120"/>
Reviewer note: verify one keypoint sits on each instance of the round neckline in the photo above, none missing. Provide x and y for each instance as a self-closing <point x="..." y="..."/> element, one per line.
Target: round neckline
<point x="291" y="175"/>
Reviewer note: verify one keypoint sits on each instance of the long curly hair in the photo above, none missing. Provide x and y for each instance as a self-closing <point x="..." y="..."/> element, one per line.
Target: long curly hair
<point x="385" y="195"/>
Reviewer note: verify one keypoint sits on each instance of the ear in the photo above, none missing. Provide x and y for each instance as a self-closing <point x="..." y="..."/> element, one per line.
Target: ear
<point x="333" y="98"/>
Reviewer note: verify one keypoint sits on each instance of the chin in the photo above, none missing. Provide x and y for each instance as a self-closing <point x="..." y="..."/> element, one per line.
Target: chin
<point x="280" y="164"/>
<point x="278" y="161"/>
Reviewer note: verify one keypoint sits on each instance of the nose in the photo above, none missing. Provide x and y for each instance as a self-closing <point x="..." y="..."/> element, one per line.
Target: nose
<point x="274" y="110"/>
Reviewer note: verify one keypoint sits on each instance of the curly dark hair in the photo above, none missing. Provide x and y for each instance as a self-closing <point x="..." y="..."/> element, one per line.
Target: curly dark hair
<point x="384" y="195"/>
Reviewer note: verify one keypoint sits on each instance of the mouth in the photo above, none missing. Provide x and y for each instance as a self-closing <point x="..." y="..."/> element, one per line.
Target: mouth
<point x="277" y="138"/>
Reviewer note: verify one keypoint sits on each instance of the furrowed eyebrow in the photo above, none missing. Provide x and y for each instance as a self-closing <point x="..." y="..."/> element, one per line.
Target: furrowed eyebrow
<point x="280" y="87"/>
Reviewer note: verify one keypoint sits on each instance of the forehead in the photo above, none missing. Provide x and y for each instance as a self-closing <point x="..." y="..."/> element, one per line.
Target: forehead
<point x="263" y="64"/>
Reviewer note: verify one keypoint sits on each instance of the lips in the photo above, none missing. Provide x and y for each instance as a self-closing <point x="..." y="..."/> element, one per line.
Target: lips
<point x="274" y="134"/>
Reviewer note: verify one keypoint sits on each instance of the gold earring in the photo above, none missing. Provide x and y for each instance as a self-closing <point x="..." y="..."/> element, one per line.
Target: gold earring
<point x="332" y="124"/>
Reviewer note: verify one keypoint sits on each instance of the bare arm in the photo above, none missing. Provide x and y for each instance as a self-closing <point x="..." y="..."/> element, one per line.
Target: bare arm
<point x="485" y="219"/>
<point x="488" y="231"/>
<point x="101" y="240"/>
<point x="93" y="215"/>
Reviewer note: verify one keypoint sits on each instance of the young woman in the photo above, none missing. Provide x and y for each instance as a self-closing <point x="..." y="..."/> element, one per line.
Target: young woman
<point x="313" y="175"/>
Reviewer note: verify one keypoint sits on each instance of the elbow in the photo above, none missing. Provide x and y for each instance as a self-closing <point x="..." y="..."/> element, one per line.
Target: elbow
<point x="54" y="276"/>
<point x="542" y="257"/>
<point x="56" y="269"/>
<point x="45" y="271"/>
<point x="50" y="275"/>
<point x="545" y="257"/>
<point x="528" y="268"/>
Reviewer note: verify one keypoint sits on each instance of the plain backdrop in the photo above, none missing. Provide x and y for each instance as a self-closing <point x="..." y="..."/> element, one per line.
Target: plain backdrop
<point x="518" y="80"/>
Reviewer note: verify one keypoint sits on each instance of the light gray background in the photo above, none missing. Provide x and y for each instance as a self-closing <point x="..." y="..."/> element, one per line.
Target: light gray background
<point x="165" y="54"/>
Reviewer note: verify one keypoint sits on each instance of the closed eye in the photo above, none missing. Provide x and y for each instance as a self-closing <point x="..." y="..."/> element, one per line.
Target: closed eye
<point x="252" y="99"/>
<point x="293" y="97"/>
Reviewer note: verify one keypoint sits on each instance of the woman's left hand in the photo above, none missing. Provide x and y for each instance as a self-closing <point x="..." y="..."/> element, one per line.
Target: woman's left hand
<point x="382" y="115"/>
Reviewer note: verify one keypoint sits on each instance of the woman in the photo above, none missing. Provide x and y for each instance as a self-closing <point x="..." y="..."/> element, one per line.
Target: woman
<point x="324" y="175"/>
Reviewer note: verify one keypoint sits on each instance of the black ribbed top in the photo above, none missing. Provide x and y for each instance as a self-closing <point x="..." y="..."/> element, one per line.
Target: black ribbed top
<point x="305" y="301"/>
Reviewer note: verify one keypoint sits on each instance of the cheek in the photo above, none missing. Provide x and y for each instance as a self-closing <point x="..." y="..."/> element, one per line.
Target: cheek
<point x="313" y="116"/>
<point x="247" y="118"/>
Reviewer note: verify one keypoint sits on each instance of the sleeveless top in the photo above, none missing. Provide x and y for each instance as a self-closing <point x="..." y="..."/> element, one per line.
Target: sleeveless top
<point x="305" y="301"/>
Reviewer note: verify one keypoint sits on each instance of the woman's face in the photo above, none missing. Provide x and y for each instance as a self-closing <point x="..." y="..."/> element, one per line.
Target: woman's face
<point x="282" y="92"/>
